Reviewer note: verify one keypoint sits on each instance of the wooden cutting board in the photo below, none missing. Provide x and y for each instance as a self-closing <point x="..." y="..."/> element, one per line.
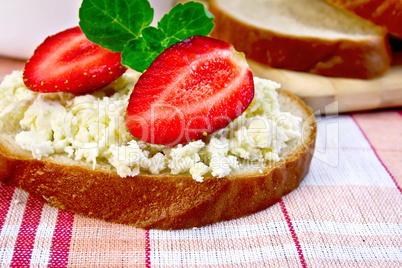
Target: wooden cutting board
<point x="7" y="65"/>
<point x="338" y="95"/>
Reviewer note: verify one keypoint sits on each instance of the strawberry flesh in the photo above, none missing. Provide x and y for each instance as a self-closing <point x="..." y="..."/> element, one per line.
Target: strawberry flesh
<point x="192" y="89"/>
<point x="69" y="62"/>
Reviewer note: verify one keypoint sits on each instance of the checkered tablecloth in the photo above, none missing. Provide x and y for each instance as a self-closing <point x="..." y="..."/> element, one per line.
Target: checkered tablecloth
<point x="346" y="213"/>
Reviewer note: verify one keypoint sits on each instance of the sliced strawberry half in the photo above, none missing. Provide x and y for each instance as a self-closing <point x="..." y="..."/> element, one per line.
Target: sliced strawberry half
<point x="68" y="61"/>
<point x="192" y="89"/>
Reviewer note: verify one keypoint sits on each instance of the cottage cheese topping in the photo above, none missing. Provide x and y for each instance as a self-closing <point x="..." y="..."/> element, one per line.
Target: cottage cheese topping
<point x="91" y="128"/>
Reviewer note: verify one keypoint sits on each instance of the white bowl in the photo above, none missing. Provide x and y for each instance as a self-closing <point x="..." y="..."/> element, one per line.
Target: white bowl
<point x="24" y="24"/>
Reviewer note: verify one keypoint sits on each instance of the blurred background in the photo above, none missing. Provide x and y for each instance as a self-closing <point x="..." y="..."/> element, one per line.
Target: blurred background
<point x="26" y="23"/>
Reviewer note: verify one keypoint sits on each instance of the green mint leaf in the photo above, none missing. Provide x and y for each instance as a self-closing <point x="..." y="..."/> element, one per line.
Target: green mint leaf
<point x="155" y="38"/>
<point x="138" y="55"/>
<point x="141" y="52"/>
<point x="186" y="20"/>
<point x="113" y="23"/>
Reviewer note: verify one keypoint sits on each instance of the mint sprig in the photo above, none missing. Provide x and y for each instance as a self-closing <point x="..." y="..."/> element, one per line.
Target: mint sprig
<point x="123" y="26"/>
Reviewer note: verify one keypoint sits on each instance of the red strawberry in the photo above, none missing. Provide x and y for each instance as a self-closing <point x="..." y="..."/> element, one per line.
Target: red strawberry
<point x="193" y="88"/>
<point x="68" y="61"/>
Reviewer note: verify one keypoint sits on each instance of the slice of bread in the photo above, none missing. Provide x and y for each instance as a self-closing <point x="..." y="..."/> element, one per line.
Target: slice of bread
<point x="161" y="201"/>
<point x="304" y="35"/>
<point x="386" y="13"/>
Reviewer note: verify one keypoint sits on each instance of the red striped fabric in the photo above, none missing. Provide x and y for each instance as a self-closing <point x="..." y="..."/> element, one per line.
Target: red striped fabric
<point x="6" y="194"/>
<point x="61" y="239"/>
<point x="346" y="213"/>
<point x="147" y="250"/>
<point x="27" y="233"/>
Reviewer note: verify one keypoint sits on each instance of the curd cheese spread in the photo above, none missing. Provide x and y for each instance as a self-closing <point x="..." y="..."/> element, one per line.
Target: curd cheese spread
<point x="91" y="128"/>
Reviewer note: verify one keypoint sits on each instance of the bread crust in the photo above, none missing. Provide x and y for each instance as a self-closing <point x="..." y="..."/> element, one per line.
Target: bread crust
<point x="336" y="58"/>
<point x="157" y="201"/>
<point x="384" y="13"/>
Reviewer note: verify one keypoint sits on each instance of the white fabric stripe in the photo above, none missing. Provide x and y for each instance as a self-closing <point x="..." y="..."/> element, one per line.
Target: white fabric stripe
<point x="328" y="136"/>
<point x="340" y="130"/>
<point x="338" y="228"/>
<point x="6" y="255"/>
<point x="107" y="258"/>
<point x="222" y="232"/>
<point x="10" y="230"/>
<point x="271" y="228"/>
<point x="40" y="257"/>
<point x="319" y="251"/>
<point x="216" y="257"/>
<point x="355" y="168"/>
<point x="345" y="166"/>
<point x="47" y="224"/>
<point x="45" y="231"/>
<point x="12" y="225"/>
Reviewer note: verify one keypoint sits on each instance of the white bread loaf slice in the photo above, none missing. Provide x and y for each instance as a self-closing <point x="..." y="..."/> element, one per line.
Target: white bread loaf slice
<point x="161" y="201"/>
<point x="386" y="13"/>
<point x="304" y="35"/>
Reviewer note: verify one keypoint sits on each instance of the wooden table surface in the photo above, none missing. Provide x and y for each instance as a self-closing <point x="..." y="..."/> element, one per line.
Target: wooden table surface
<point x="7" y="65"/>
